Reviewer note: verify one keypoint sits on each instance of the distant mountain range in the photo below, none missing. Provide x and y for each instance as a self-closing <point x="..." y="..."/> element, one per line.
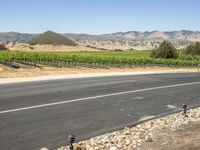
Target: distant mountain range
<point x="120" y="40"/>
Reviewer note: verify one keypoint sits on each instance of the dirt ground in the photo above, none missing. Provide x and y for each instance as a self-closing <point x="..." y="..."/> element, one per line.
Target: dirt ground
<point x="187" y="137"/>
<point x="28" y="71"/>
<point x="48" y="48"/>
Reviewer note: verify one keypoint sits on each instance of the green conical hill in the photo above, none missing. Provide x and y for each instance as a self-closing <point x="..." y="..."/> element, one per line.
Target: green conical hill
<point x="52" y="38"/>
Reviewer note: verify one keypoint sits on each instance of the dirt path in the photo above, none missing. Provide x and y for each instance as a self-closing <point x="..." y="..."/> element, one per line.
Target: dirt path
<point x="45" y="71"/>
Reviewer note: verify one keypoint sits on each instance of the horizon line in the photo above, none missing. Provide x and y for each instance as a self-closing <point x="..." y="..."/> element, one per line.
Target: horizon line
<point x="102" y="33"/>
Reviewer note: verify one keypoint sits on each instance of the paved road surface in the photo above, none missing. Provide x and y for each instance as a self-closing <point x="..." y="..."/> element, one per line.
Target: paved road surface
<point x="42" y="114"/>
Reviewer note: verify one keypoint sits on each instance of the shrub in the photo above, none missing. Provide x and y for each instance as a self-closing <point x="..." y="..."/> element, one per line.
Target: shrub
<point x="193" y="49"/>
<point x="165" y="50"/>
<point x="118" y="50"/>
<point x="2" y="47"/>
<point x="31" y="47"/>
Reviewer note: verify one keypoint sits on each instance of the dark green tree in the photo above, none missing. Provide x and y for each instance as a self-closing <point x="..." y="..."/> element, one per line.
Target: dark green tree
<point x="165" y="50"/>
<point x="193" y="49"/>
<point x="2" y="47"/>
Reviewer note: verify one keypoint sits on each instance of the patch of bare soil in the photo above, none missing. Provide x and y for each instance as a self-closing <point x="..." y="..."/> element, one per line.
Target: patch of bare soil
<point x="187" y="137"/>
<point x="48" y="48"/>
<point x="1" y="69"/>
<point x="27" y="71"/>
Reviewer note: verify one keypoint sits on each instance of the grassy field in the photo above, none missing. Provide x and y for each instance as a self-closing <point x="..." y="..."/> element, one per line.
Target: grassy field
<point x="91" y="59"/>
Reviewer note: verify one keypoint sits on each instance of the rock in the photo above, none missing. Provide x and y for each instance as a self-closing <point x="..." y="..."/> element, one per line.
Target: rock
<point x="79" y="146"/>
<point x="148" y="139"/>
<point x="128" y="142"/>
<point x="113" y="148"/>
<point x="138" y="134"/>
<point x="96" y="148"/>
<point x="136" y="137"/>
<point x="87" y="146"/>
<point x="130" y="147"/>
<point x="62" y="148"/>
<point x="148" y="126"/>
<point x="127" y="132"/>
<point x="138" y="144"/>
<point x="44" y="148"/>
<point x="105" y="139"/>
<point x="130" y="138"/>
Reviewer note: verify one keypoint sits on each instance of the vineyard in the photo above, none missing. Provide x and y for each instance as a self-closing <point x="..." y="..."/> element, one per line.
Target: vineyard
<point x="90" y="59"/>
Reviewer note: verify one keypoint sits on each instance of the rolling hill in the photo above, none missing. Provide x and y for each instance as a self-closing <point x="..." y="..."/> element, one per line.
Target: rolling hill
<point x="52" y="38"/>
<point x="136" y="39"/>
<point x="120" y="40"/>
<point x="15" y="37"/>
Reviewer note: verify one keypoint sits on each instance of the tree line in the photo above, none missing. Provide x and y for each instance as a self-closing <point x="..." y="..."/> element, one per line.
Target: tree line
<point x="167" y="50"/>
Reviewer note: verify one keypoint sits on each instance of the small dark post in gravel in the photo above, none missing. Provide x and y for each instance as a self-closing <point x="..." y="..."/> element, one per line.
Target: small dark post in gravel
<point x="185" y="110"/>
<point x="71" y="140"/>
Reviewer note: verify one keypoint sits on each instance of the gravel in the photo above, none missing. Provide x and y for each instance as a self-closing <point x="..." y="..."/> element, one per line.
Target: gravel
<point x="131" y="138"/>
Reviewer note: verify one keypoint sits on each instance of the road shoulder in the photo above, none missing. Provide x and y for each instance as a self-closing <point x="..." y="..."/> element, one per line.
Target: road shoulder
<point x="49" y="73"/>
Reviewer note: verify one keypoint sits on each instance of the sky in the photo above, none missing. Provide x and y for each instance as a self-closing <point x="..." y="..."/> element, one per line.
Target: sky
<point x="98" y="16"/>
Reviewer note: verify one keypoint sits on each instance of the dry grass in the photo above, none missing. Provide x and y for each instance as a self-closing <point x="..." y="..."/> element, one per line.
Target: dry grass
<point x="27" y="71"/>
<point x="48" y="48"/>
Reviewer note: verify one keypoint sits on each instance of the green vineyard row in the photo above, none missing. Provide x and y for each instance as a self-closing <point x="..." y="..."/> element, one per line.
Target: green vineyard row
<point x="84" y="59"/>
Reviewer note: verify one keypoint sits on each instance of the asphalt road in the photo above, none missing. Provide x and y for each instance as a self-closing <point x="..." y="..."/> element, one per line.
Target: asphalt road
<point x="42" y="114"/>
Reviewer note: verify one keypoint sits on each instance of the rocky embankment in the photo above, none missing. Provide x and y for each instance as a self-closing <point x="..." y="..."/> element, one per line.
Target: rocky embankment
<point x="132" y="138"/>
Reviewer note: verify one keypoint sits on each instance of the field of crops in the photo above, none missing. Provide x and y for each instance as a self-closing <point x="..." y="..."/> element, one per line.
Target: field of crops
<point x="90" y="59"/>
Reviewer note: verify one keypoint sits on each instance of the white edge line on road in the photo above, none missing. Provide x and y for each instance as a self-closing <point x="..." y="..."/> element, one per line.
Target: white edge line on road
<point x="95" y="97"/>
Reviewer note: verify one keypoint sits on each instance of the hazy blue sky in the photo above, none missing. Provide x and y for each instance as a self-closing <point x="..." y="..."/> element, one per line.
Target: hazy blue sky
<point x="98" y="16"/>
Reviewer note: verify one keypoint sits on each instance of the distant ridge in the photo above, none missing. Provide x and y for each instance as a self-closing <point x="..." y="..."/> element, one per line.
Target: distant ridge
<point x="132" y="40"/>
<point x="7" y="37"/>
<point x="52" y="38"/>
<point x="121" y="40"/>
